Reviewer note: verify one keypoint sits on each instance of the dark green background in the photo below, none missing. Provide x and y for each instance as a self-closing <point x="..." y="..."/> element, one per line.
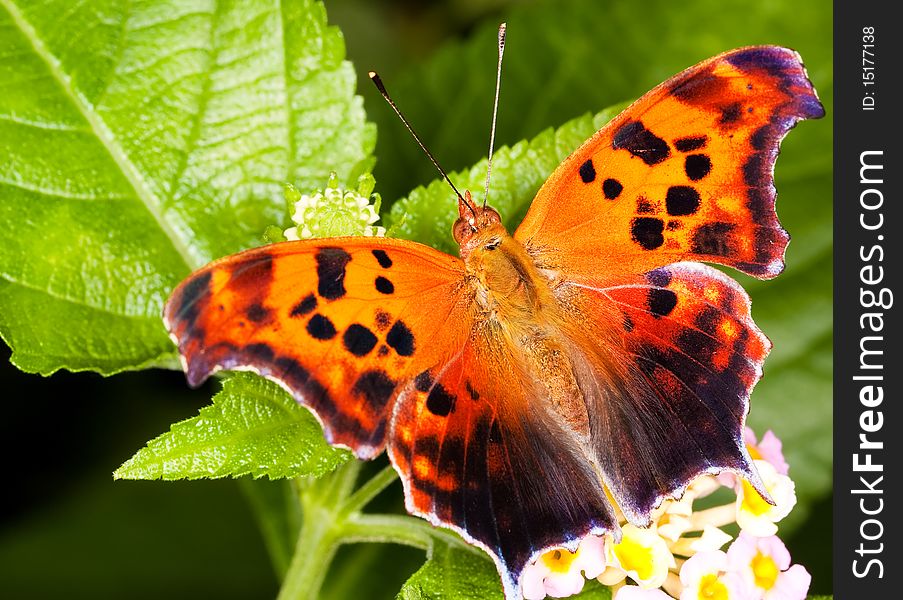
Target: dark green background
<point x="69" y="530"/>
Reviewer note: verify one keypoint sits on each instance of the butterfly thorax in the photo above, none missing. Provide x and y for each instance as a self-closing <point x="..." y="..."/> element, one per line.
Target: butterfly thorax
<point x="516" y="303"/>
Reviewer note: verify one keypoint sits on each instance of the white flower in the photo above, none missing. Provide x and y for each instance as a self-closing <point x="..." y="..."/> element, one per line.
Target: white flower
<point x="642" y="554"/>
<point x="334" y="212"/>
<point x="705" y="576"/>
<point x="674" y="518"/>
<point x="764" y="563"/>
<point x="754" y="514"/>
<point x="712" y="538"/>
<point x="560" y="572"/>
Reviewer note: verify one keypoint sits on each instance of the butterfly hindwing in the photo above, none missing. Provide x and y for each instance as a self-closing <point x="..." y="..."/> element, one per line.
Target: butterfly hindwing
<point x="339" y="323"/>
<point x="684" y="173"/>
<point x="687" y="355"/>
<point x="478" y="451"/>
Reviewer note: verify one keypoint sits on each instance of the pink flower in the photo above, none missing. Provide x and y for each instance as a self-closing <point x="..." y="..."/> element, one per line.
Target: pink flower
<point x="769" y="449"/>
<point x="705" y="576"/>
<point x="559" y="573"/>
<point x="764" y="564"/>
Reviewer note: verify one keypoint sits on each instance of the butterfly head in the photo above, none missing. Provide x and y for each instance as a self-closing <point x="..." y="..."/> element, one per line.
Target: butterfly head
<point x="474" y="222"/>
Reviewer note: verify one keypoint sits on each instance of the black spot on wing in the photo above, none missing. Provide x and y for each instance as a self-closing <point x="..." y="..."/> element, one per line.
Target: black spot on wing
<point x="384" y="286"/>
<point x="376" y="387"/>
<point x="474" y="395"/>
<point x="612" y="188"/>
<point x="401" y="339"/>
<point x="382" y="258"/>
<point x="647" y="232"/>
<point x="382" y="319"/>
<point x="730" y="113"/>
<point x="661" y="302"/>
<point x="644" y="206"/>
<point x="587" y="172"/>
<point x="688" y="144"/>
<point x="423" y="382"/>
<point x="440" y="402"/>
<point x="359" y="340"/>
<point x="681" y="200"/>
<point x="305" y="306"/>
<point x="331" y="263"/>
<point x="259" y="352"/>
<point x="321" y="327"/>
<point x="257" y="312"/>
<point x="713" y="238"/>
<point x="697" y="344"/>
<point x="640" y="142"/>
<point x="187" y="304"/>
<point x="697" y="166"/>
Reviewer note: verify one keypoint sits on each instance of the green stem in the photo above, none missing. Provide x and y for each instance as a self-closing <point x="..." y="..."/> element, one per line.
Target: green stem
<point x="369" y="490"/>
<point x="332" y="517"/>
<point x="314" y="552"/>
<point x="398" y="529"/>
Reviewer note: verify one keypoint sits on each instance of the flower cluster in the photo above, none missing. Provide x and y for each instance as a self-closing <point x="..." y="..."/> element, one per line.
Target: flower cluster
<point x="334" y="211"/>
<point x="679" y="556"/>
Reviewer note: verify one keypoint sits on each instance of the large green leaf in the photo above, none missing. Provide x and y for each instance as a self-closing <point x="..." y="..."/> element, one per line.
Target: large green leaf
<point x="141" y="140"/>
<point x="253" y="427"/>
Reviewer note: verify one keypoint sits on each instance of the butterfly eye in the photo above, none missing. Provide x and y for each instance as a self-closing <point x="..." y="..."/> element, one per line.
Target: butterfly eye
<point x="493" y="244"/>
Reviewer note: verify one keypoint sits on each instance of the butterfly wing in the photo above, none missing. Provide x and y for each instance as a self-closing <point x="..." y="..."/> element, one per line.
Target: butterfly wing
<point x="685" y="173"/>
<point x="478" y="452"/>
<point x="687" y="355"/>
<point x="672" y="354"/>
<point x="341" y="324"/>
<point x="382" y="342"/>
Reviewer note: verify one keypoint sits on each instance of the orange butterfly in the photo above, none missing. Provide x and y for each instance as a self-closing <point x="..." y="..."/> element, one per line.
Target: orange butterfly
<point x="587" y="353"/>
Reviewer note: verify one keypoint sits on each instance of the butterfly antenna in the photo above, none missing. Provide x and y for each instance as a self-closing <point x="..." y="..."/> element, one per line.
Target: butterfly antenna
<point x="382" y="90"/>
<point x="495" y="108"/>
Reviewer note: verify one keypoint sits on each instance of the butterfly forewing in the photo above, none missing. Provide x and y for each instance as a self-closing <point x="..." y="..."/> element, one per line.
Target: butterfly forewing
<point x="685" y="173"/>
<point x="340" y="323"/>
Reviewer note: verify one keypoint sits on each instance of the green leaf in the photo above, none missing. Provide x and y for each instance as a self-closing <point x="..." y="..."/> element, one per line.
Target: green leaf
<point x="139" y="141"/>
<point x="253" y="427"/>
<point x="451" y="573"/>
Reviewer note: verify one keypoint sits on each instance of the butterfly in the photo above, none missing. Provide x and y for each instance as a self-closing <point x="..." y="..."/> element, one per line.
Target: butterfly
<point x="589" y="358"/>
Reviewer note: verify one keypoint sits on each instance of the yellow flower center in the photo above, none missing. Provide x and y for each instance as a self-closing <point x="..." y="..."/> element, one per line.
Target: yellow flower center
<point x="633" y="556"/>
<point x="711" y="588"/>
<point x="559" y="561"/>
<point x="753" y="452"/>
<point x="765" y="571"/>
<point x="753" y="503"/>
